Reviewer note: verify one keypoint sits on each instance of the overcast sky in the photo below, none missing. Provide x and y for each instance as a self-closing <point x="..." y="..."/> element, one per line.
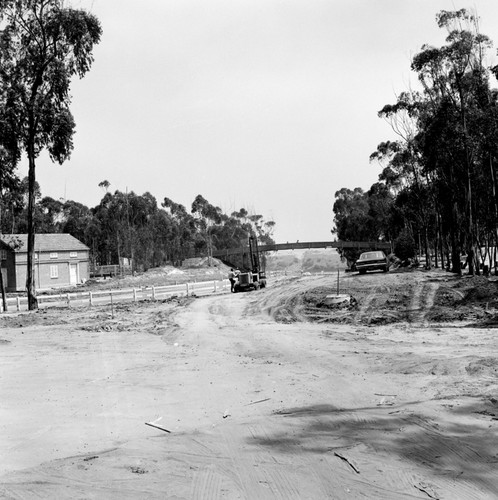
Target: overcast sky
<point x="269" y="105"/>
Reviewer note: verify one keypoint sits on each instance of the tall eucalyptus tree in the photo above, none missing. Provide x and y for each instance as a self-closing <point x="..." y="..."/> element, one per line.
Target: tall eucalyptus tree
<point x="43" y="45"/>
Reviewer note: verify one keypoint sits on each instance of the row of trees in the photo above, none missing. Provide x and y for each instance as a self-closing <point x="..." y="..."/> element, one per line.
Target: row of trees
<point x="134" y="226"/>
<point x="438" y="186"/>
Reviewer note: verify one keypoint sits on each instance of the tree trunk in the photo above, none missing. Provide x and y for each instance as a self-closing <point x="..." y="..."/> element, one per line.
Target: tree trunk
<point x="456" y="266"/>
<point x="30" y="284"/>
<point x="441" y="237"/>
<point x="2" y="287"/>
<point x="448" y="256"/>
<point x="436" y="245"/>
<point x="494" y="258"/>
<point x="209" y="248"/>
<point x="428" y="262"/>
<point x="495" y="206"/>
<point x="468" y="194"/>
<point x="119" y="252"/>
<point x="471" y="259"/>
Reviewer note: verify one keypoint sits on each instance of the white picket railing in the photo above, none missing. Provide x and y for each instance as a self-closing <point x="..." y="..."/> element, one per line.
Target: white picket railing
<point x="20" y="303"/>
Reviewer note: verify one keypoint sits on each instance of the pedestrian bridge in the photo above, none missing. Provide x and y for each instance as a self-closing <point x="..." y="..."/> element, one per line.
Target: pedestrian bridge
<point x="306" y="245"/>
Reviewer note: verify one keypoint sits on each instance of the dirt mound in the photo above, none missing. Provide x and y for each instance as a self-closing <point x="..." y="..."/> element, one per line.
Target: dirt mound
<point x="483" y="366"/>
<point x="416" y="297"/>
<point x="478" y="289"/>
<point x="50" y="316"/>
<point x="203" y="263"/>
<point x="164" y="270"/>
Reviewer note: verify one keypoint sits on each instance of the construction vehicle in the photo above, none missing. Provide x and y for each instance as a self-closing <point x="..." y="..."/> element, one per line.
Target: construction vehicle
<point x="253" y="277"/>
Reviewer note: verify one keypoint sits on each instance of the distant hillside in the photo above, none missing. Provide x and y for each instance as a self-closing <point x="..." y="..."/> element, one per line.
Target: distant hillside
<point x="283" y="261"/>
<point x="313" y="261"/>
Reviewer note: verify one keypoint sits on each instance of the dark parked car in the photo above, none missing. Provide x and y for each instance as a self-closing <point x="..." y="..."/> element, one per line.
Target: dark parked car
<point x="372" y="261"/>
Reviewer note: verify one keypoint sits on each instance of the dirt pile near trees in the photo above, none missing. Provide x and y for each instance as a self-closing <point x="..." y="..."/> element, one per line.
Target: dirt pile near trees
<point x="414" y="297"/>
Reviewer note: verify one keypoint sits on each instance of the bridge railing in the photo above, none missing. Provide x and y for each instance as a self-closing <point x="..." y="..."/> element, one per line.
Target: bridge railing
<point x="307" y="245"/>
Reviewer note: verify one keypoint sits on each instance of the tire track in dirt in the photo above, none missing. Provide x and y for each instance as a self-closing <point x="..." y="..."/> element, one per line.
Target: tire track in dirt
<point x="282" y="484"/>
<point x="376" y="474"/>
<point x="427" y="443"/>
<point x="430" y="448"/>
<point x="244" y="471"/>
<point x="283" y="466"/>
<point x="206" y="484"/>
<point x="430" y="296"/>
<point x="413" y="310"/>
<point x="285" y="304"/>
<point x="349" y="467"/>
<point x="421" y="302"/>
<point x="365" y="310"/>
<point x="261" y="475"/>
<point x="397" y="456"/>
<point x="376" y="303"/>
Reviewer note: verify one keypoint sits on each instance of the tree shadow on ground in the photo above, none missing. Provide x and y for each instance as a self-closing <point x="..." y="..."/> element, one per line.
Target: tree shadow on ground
<point x="463" y="448"/>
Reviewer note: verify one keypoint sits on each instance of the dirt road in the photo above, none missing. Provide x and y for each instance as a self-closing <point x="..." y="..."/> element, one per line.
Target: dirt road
<point x="257" y="409"/>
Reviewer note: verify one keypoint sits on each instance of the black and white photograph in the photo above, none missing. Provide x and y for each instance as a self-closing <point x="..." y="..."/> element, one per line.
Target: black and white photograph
<point x="248" y="249"/>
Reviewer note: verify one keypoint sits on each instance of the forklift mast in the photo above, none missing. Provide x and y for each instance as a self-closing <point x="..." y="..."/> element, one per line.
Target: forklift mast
<point x="254" y="253"/>
<point x="253" y="277"/>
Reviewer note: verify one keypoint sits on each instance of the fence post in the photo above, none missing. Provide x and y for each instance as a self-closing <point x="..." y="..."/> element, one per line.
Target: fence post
<point x="214" y="286"/>
<point x="68" y="299"/>
<point x="90" y="294"/>
<point x="134" y="294"/>
<point x="153" y="293"/>
<point x="18" y="303"/>
<point x="187" y="289"/>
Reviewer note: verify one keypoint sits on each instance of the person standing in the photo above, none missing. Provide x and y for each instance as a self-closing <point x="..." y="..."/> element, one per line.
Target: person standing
<point x="231" y="277"/>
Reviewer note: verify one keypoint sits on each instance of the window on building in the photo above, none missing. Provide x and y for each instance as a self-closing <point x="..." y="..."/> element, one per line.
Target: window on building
<point x="54" y="255"/>
<point x="73" y="254"/>
<point x="3" y="254"/>
<point x="54" y="271"/>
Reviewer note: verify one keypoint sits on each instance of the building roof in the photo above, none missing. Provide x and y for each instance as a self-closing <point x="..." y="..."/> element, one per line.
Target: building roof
<point x="51" y="242"/>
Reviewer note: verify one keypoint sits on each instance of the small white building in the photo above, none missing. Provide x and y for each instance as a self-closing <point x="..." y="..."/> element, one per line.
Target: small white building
<point x="60" y="260"/>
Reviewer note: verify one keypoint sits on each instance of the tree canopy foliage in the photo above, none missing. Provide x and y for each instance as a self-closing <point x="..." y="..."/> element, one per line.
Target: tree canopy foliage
<point x="132" y="226"/>
<point x="439" y="176"/>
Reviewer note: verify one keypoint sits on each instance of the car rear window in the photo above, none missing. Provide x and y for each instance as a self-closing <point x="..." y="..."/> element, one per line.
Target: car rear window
<point x="371" y="255"/>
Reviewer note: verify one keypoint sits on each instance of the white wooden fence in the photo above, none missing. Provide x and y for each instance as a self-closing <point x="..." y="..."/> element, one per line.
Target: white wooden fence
<point x="82" y="298"/>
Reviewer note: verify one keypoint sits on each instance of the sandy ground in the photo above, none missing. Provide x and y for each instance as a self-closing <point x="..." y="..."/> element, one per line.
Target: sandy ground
<point x="263" y="398"/>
